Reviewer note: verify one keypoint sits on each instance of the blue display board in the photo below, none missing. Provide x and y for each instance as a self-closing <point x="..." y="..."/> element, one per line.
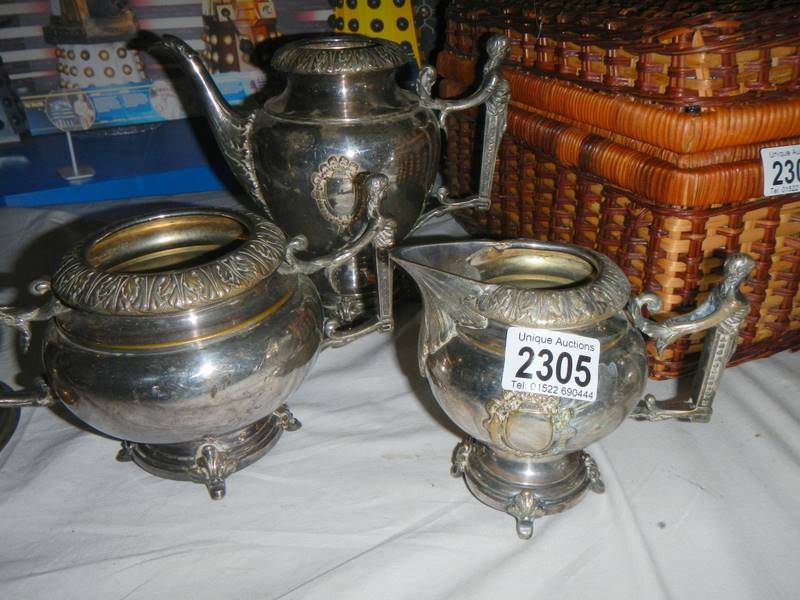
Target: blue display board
<point x="165" y="158"/>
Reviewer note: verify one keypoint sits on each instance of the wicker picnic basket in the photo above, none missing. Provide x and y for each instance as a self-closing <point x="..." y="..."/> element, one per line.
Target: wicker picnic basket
<point x="637" y="130"/>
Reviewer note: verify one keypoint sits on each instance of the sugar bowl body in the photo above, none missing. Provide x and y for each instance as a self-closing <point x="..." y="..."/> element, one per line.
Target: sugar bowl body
<point x="183" y="334"/>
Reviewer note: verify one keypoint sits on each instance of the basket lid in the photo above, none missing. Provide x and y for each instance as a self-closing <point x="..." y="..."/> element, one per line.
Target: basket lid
<point x="338" y="55"/>
<point x="169" y="262"/>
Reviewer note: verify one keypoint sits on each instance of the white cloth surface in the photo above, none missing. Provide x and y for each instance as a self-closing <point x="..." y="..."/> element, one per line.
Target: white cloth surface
<point x="359" y="503"/>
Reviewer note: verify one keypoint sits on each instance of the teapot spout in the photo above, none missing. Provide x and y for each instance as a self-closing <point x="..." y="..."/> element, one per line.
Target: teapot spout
<point x="231" y="128"/>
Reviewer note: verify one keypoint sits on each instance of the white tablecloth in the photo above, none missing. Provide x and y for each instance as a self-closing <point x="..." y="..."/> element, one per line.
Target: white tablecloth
<point x="359" y="503"/>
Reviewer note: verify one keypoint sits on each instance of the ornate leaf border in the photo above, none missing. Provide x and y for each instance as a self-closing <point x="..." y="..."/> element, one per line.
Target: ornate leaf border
<point x="81" y="286"/>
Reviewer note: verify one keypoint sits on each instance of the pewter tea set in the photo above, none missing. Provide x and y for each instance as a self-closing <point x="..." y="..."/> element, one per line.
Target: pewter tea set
<point x="185" y="333"/>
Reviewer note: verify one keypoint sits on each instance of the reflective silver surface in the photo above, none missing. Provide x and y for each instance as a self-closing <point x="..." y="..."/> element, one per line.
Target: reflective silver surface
<point x="342" y="114"/>
<point x="525" y="451"/>
<point x="722" y="313"/>
<point x="178" y="332"/>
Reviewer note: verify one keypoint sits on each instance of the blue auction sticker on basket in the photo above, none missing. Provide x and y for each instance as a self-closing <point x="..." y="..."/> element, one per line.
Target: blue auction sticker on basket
<point x="541" y="361"/>
<point x="781" y="166"/>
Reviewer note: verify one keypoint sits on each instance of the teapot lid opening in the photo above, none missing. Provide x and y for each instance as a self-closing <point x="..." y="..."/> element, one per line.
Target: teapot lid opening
<point x="339" y="55"/>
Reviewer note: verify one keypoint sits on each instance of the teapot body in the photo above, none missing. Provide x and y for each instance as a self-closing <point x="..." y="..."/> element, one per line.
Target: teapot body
<point x="307" y="163"/>
<point x="340" y="115"/>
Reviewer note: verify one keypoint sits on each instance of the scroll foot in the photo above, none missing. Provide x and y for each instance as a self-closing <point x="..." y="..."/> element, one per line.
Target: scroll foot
<point x="460" y="457"/>
<point x="286" y="419"/>
<point x="216" y="489"/>
<point x="125" y="453"/>
<point x="337" y="336"/>
<point x="211" y="468"/>
<point x="525" y="508"/>
<point x="593" y="473"/>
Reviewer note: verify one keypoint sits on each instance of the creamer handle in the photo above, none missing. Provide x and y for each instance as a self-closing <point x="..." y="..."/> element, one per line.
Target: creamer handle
<point x="722" y="313"/>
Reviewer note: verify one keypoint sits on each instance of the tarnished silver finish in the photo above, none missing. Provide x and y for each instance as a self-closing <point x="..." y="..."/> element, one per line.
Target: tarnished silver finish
<point x="525" y="507"/>
<point x="211" y="467"/>
<point x="21" y="318"/>
<point x="722" y="312"/>
<point x="379" y="234"/>
<point x="342" y="56"/>
<point x="342" y="114"/>
<point x="134" y="287"/>
<point x="525" y="451"/>
<point x="211" y="460"/>
<point x="495" y="92"/>
<point x="182" y="333"/>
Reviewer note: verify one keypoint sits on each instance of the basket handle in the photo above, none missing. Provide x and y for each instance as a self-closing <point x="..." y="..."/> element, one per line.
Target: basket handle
<point x="723" y="312"/>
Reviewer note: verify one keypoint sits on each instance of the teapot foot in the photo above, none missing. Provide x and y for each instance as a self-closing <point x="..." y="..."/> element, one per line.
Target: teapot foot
<point x="211" y="460"/>
<point x="524" y="487"/>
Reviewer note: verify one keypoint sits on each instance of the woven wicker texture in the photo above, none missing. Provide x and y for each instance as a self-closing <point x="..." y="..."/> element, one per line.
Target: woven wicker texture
<point x="687" y="53"/>
<point x="664" y="192"/>
<point x="752" y="120"/>
<point x="674" y="252"/>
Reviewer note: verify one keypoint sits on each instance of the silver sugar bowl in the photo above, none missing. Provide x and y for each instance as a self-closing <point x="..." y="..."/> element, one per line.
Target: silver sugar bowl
<point x="183" y="334"/>
<point x="342" y="113"/>
<point x="534" y="350"/>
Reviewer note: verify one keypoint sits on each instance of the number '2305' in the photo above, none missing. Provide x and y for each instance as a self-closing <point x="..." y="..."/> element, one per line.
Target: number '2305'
<point x="561" y="366"/>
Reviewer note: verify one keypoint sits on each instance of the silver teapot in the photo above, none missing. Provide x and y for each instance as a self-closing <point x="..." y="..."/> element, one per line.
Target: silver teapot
<point x="183" y="334"/>
<point x="534" y="350"/>
<point x="341" y="114"/>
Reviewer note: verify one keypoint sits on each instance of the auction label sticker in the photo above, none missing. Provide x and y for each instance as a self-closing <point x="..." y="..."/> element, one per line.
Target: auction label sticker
<point x="781" y="166"/>
<point x="541" y="361"/>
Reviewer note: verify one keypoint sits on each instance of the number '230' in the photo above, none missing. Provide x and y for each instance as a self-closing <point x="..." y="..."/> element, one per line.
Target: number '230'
<point x="562" y="369"/>
<point x="792" y="168"/>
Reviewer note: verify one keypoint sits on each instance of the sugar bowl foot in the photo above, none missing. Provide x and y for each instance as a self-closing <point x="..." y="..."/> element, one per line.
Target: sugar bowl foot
<point x="211" y="460"/>
<point x="523" y="487"/>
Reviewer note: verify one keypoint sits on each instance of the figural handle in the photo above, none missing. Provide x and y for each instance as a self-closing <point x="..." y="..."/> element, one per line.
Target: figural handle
<point x="494" y="92"/>
<point x="722" y="312"/>
<point x="20" y="319"/>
